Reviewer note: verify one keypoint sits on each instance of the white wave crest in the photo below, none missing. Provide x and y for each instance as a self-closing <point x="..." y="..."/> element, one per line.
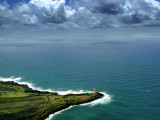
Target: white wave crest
<point x="18" y="80"/>
<point x="10" y="79"/>
<point x="104" y="100"/>
<point x="59" y="112"/>
<point x="71" y="92"/>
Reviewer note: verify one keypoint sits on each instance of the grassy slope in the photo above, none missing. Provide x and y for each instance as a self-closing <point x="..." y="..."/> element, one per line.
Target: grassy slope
<point x="19" y="102"/>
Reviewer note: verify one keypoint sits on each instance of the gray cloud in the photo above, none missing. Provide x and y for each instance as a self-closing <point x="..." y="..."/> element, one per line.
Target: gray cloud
<point x="59" y="16"/>
<point x="135" y="18"/>
<point x="5" y="14"/>
<point x="111" y="9"/>
<point x="81" y="13"/>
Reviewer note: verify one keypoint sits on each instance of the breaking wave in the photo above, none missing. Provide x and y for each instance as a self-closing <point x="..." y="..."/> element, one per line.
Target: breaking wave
<point x="59" y="112"/>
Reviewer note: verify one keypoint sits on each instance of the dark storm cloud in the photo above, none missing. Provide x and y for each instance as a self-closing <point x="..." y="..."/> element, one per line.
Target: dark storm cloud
<point x="111" y="9"/>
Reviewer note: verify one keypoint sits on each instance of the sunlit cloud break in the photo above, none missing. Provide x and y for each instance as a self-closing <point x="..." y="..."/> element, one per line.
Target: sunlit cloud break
<point x="81" y="13"/>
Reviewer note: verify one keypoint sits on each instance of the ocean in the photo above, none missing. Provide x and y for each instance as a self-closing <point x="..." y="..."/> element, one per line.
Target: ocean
<point x="123" y="63"/>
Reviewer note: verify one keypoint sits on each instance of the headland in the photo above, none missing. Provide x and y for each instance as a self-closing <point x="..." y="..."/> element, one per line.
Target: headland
<point x="20" y="102"/>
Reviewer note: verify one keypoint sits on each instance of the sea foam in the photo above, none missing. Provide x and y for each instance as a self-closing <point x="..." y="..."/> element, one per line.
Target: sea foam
<point x="104" y="100"/>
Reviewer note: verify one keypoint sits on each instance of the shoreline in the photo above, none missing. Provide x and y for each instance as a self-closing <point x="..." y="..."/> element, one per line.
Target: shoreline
<point x="92" y="103"/>
<point x="67" y="107"/>
<point x="52" y="113"/>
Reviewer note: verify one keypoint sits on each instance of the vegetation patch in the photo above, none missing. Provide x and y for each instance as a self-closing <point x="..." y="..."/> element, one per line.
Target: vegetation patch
<point x="19" y="102"/>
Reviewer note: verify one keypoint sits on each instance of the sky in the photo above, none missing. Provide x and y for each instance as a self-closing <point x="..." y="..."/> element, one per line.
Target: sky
<point x="79" y="13"/>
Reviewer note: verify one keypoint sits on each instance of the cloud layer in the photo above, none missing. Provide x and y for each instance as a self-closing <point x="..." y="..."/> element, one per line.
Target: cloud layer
<point x="81" y="13"/>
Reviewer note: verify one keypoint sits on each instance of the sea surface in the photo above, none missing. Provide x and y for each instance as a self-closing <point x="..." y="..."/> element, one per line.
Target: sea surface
<point x="123" y="63"/>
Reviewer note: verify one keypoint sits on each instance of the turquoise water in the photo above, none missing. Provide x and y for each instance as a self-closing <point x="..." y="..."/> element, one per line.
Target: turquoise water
<point x="124" y="63"/>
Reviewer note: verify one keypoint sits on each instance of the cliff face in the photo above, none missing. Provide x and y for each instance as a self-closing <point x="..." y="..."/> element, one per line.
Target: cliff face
<point x="19" y="102"/>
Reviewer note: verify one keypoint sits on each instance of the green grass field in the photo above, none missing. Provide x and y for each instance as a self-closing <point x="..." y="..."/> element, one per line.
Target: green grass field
<point x="19" y="102"/>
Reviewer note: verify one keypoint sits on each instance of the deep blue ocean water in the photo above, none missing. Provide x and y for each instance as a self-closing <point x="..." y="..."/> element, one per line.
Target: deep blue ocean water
<point x="124" y="63"/>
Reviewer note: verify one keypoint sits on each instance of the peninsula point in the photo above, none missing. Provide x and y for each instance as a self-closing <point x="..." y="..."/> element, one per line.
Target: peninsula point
<point x="19" y="102"/>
